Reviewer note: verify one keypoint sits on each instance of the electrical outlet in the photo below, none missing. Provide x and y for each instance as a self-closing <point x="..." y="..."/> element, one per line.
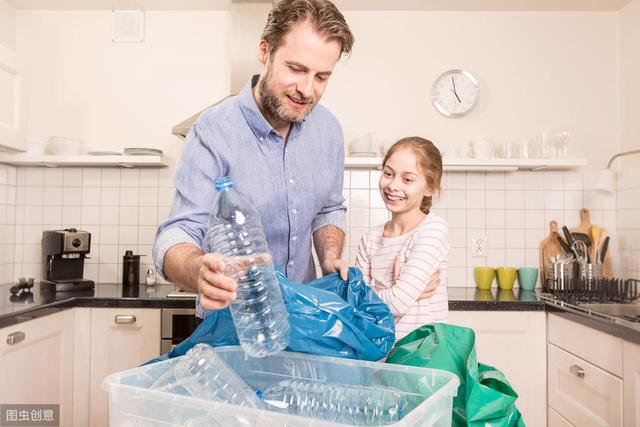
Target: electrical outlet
<point x="479" y="246"/>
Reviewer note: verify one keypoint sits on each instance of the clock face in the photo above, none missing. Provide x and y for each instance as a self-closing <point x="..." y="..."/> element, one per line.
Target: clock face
<point x="454" y="93"/>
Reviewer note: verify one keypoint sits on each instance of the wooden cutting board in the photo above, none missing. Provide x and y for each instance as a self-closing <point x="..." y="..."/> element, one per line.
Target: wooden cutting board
<point x="549" y="247"/>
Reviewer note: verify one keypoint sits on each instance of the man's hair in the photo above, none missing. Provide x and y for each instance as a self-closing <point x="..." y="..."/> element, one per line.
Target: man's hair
<point x="323" y="15"/>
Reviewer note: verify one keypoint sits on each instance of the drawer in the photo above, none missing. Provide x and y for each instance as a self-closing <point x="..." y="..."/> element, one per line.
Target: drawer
<point x="599" y="348"/>
<point x="582" y="393"/>
<point x="556" y="420"/>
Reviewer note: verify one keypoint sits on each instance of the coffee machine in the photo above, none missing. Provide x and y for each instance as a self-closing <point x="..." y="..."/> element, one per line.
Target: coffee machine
<point x="63" y="254"/>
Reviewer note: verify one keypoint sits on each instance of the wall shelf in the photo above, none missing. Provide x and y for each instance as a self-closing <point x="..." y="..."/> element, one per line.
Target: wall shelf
<point x="54" y="161"/>
<point x="488" y="165"/>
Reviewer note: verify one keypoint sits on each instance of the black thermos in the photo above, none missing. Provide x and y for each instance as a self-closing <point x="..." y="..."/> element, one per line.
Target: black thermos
<point x="130" y="269"/>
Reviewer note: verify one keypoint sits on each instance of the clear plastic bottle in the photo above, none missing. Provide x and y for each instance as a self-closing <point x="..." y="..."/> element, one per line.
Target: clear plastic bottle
<point x="235" y="231"/>
<point x="336" y="402"/>
<point x="204" y="375"/>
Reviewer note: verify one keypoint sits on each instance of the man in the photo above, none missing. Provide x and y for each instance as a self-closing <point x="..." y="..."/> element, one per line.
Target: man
<point x="283" y="152"/>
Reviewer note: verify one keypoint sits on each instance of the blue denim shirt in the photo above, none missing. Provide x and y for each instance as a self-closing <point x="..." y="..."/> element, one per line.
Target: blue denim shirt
<point x="296" y="184"/>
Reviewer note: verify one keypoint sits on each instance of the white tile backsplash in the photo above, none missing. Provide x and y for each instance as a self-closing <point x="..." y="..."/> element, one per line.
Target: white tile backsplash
<point x="122" y="209"/>
<point x="511" y="210"/>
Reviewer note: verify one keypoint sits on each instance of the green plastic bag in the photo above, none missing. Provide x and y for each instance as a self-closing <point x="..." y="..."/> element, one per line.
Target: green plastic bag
<point x="485" y="397"/>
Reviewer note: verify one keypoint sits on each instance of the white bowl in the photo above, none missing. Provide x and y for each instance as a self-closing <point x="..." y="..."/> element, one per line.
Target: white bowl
<point x="65" y="146"/>
<point x="36" y="146"/>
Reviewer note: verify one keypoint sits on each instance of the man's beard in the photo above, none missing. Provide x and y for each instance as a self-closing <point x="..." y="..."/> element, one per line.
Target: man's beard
<point x="275" y="105"/>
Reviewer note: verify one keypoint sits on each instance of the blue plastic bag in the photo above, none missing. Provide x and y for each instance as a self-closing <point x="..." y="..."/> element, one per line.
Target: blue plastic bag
<point x="328" y="317"/>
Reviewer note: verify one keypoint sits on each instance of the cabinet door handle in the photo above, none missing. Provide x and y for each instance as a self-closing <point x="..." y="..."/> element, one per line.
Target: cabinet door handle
<point x="577" y="371"/>
<point x="15" y="337"/>
<point x="125" y="318"/>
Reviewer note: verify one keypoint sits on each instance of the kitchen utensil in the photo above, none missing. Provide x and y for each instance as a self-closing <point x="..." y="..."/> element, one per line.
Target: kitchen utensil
<point x="581" y="251"/>
<point x="506" y="277"/>
<point x="549" y="247"/>
<point x="589" y="272"/>
<point x="583" y="231"/>
<point x="484" y="277"/>
<point x="603" y="252"/>
<point x="559" y="275"/>
<point x="553" y="227"/>
<point x="568" y="236"/>
<point x="565" y="245"/>
<point x="596" y="234"/>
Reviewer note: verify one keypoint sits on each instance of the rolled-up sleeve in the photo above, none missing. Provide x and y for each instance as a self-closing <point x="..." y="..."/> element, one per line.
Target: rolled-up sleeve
<point x="334" y="211"/>
<point x="194" y="182"/>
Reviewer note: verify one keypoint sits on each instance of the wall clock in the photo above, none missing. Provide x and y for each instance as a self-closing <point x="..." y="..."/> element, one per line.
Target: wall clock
<point x="454" y="93"/>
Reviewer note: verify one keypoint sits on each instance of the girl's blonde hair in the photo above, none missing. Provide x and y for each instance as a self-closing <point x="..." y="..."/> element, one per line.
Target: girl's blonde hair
<point x="429" y="161"/>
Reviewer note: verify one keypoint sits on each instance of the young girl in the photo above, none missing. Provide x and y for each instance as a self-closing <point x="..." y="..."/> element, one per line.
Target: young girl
<point x="401" y="258"/>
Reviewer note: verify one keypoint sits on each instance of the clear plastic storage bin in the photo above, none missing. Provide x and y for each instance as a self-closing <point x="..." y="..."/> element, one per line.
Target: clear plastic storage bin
<point x="428" y="392"/>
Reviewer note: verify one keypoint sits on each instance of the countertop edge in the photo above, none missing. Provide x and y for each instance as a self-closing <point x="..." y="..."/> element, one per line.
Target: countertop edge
<point x="17" y="317"/>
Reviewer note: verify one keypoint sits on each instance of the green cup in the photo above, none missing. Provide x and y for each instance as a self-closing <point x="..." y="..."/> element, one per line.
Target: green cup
<point x="527" y="277"/>
<point x="506" y="277"/>
<point x="484" y="277"/>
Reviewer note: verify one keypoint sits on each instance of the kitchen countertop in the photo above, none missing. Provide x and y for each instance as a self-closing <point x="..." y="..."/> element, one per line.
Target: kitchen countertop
<point x="592" y="317"/>
<point x="39" y="302"/>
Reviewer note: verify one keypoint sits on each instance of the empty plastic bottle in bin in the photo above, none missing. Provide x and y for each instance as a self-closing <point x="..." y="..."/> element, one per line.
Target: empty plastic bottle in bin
<point x="339" y="403"/>
<point x="204" y="375"/>
<point x="235" y="231"/>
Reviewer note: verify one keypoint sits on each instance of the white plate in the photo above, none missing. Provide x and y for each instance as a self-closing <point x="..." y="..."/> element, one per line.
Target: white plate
<point x="363" y="154"/>
<point x="104" y="153"/>
<point x="142" y="151"/>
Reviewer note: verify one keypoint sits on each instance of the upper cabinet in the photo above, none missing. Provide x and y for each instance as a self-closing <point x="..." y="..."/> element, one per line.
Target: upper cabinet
<point x="12" y="106"/>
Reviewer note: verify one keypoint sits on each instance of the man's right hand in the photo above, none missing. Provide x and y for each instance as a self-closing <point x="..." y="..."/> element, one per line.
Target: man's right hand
<point x="216" y="289"/>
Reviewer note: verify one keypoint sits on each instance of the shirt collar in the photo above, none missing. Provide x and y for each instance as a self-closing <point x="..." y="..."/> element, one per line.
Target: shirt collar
<point x="258" y="124"/>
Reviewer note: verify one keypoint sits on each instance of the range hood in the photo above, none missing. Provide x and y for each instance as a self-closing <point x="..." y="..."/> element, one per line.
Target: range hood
<point x="247" y="21"/>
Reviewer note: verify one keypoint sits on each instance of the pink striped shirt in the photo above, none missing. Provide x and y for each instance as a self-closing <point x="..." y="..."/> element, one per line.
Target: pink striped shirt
<point x="422" y="251"/>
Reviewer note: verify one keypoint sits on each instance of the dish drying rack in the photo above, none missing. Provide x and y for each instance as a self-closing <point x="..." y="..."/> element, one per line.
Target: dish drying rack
<point x="595" y="289"/>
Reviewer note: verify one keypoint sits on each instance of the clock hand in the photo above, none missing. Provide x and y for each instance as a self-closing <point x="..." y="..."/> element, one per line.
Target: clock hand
<point x="457" y="97"/>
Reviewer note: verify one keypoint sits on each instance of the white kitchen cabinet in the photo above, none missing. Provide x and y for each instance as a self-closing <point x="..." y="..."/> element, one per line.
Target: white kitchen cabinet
<point x="514" y="343"/>
<point x="585" y="374"/>
<point x="12" y="106"/>
<point x="121" y="338"/>
<point x="37" y="363"/>
<point x="556" y="420"/>
<point x="582" y="393"/>
<point x="631" y="380"/>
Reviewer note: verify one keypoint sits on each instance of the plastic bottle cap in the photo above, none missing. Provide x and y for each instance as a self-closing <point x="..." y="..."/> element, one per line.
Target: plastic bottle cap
<point x="223" y="183"/>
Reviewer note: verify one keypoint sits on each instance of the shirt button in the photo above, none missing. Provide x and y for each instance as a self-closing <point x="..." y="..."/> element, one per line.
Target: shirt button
<point x="294" y="238"/>
<point x="290" y="262"/>
<point x="294" y="211"/>
<point x="261" y="139"/>
<point x="291" y="180"/>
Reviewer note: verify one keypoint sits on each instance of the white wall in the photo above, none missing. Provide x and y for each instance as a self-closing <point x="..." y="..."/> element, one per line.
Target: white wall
<point x="7" y="222"/>
<point x="536" y="70"/>
<point x="116" y="95"/>
<point x="628" y="194"/>
<point x="629" y="71"/>
<point x="7" y="25"/>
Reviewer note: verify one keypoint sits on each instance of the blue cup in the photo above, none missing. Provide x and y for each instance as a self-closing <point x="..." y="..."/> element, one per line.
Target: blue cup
<point x="527" y="277"/>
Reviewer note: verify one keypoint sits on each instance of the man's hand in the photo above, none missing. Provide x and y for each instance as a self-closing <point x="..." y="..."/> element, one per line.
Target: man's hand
<point x="336" y="265"/>
<point x="431" y="287"/>
<point x="217" y="291"/>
